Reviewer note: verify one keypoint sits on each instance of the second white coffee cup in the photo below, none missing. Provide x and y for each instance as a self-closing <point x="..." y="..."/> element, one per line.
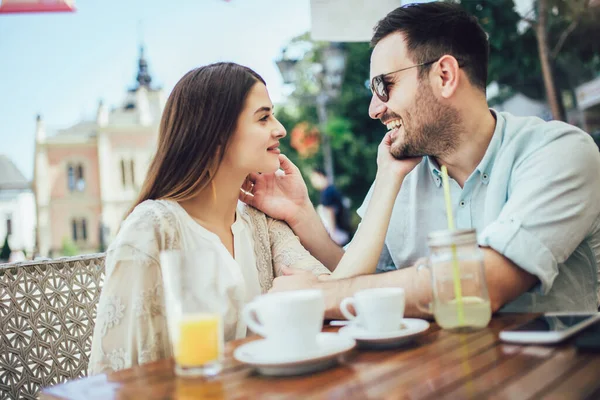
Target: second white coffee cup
<point x="289" y="320"/>
<point x="377" y="310"/>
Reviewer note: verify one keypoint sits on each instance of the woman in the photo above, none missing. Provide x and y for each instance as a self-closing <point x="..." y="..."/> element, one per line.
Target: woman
<point x="217" y="128"/>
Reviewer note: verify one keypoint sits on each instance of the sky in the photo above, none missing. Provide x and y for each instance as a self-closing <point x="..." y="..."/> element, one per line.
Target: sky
<point x="60" y="65"/>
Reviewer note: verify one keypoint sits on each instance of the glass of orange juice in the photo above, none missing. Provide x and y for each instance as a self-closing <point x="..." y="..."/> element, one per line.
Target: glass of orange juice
<point x="194" y="310"/>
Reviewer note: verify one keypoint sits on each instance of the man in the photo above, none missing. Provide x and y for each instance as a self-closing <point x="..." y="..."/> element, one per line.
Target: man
<point x="530" y="188"/>
<point x="331" y="207"/>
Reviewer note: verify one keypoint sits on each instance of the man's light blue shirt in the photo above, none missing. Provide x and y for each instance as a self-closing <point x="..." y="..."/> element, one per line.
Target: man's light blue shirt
<point x="534" y="198"/>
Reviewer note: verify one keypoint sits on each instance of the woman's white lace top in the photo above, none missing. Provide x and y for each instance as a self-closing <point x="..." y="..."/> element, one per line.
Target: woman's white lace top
<point x="131" y="324"/>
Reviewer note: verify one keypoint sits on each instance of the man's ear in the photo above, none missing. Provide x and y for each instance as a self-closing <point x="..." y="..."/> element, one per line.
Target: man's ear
<point x="446" y="76"/>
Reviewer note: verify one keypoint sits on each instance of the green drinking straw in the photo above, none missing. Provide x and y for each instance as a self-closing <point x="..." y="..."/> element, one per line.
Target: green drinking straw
<point x="455" y="270"/>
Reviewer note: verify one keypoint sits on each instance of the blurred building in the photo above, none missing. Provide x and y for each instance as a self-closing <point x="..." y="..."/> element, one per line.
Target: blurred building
<point x="17" y="208"/>
<point x="588" y="102"/>
<point x="87" y="176"/>
<point x="516" y="103"/>
<point x="348" y="20"/>
<point x="521" y="105"/>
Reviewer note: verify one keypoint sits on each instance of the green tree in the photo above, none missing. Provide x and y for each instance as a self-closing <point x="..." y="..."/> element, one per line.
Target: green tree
<point x="355" y="135"/>
<point x="69" y="248"/>
<point x="5" y="253"/>
<point x="553" y="22"/>
<point x="544" y="54"/>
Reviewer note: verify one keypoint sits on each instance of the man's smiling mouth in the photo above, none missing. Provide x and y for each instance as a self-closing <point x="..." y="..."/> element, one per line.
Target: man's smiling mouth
<point x="393" y="127"/>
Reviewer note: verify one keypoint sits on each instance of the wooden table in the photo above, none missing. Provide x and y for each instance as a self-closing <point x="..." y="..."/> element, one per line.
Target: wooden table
<point x="438" y="365"/>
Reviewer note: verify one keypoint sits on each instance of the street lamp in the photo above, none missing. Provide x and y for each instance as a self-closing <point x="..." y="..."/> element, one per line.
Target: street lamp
<point x="287" y="68"/>
<point x="334" y="63"/>
<point x="329" y="75"/>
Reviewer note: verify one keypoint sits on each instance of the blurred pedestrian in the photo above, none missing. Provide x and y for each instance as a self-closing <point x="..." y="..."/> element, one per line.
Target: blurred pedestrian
<point x="332" y="210"/>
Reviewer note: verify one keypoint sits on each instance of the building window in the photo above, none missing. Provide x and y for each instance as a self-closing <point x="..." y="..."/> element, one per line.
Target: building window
<point x="76" y="177"/>
<point x="84" y="229"/>
<point x="132" y="169"/>
<point x="123" y="173"/>
<point x="74" y="229"/>
<point x="128" y="173"/>
<point x="80" y="178"/>
<point x="9" y="224"/>
<point x="79" y="229"/>
<point x="71" y="177"/>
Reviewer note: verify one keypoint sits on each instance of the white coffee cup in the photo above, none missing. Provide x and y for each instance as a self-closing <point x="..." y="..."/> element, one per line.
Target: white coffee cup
<point x="289" y="320"/>
<point x="377" y="310"/>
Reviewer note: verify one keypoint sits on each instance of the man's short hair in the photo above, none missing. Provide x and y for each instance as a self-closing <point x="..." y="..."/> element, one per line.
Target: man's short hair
<point x="435" y="29"/>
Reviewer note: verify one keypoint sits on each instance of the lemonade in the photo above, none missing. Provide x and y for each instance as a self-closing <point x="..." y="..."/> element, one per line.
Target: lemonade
<point x="199" y="340"/>
<point x="477" y="313"/>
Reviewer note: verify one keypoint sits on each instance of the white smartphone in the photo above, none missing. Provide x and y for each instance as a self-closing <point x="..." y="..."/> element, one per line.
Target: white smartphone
<point x="549" y="328"/>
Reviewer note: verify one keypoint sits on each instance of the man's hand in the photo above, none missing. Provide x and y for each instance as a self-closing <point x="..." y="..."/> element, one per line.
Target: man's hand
<point x="387" y="163"/>
<point x="281" y="195"/>
<point x="294" y="279"/>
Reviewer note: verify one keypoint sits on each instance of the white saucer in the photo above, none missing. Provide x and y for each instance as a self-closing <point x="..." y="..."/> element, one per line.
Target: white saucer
<point x="267" y="361"/>
<point x="411" y="328"/>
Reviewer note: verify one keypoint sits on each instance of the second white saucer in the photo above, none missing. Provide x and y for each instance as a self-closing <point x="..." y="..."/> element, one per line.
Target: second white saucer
<point x="260" y="354"/>
<point x="411" y="328"/>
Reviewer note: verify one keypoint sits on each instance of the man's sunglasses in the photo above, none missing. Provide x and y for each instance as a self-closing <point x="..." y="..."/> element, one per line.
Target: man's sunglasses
<point x="380" y="87"/>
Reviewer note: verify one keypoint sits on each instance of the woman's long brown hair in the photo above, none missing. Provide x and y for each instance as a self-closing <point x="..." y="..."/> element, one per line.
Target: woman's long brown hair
<point x="197" y="123"/>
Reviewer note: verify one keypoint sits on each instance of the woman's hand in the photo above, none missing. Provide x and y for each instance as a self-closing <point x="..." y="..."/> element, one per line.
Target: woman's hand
<point x="281" y="195"/>
<point x="363" y="252"/>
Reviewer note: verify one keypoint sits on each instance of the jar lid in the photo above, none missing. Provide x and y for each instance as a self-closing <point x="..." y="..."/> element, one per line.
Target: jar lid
<point x="456" y="237"/>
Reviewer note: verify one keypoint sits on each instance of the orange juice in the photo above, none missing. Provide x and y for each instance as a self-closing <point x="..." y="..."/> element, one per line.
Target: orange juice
<point x="195" y="389"/>
<point x="199" y="340"/>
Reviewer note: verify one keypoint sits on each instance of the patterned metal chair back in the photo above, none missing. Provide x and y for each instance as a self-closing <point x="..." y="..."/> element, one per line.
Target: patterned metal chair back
<point x="47" y="313"/>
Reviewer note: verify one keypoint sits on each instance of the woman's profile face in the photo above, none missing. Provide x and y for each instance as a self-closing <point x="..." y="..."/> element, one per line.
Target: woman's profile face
<point x="254" y="146"/>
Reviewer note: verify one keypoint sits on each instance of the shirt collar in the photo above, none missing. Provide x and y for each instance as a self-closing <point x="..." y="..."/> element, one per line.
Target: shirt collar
<point x="434" y="168"/>
<point x="238" y="225"/>
<point x="487" y="162"/>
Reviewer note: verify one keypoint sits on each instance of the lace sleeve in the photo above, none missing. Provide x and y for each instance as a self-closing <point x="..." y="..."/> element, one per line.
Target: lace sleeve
<point x="131" y="324"/>
<point x="288" y="251"/>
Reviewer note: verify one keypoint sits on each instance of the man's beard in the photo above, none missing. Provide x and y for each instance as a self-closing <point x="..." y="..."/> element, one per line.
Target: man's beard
<point x="430" y="129"/>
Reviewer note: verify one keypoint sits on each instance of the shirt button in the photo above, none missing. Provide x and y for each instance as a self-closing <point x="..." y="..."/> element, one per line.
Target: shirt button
<point x="462" y="203"/>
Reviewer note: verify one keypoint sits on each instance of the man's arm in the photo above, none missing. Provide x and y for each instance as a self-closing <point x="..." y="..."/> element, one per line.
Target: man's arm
<point x="505" y="282"/>
<point x="552" y="206"/>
